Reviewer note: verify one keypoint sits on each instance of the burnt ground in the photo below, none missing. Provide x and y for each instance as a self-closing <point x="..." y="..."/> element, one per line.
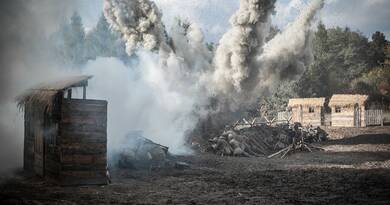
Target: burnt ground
<point x="355" y="170"/>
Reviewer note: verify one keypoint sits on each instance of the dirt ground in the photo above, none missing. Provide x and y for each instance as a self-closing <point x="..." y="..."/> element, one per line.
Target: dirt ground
<point x="354" y="170"/>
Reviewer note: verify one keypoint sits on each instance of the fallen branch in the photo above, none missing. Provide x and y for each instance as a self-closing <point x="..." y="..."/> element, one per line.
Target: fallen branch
<point x="272" y="155"/>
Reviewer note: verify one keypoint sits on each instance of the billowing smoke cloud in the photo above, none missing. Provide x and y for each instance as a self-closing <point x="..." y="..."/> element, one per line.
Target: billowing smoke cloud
<point x="171" y="77"/>
<point x="238" y="46"/>
<point x="168" y="90"/>
<point x="142" y="101"/>
<point x="286" y="55"/>
<point x="139" y="22"/>
<point x="245" y="72"/>
<point x="243" y="68"/>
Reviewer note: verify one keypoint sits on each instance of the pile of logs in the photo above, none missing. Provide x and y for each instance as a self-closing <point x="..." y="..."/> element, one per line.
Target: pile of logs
<point x="264" y="140"/>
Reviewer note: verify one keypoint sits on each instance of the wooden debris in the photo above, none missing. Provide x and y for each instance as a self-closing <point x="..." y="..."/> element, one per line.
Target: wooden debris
<point x="262" y="139"/>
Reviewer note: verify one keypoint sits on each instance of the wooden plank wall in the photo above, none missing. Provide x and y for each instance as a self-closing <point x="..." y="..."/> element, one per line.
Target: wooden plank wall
<point x="28" y="155"/>
<point x="294" y="115"/>
<point x="327" y="120"/>
<point x="33" y="139"/>
<point x="83" y="141"/>
<point x="386" y="117"/>
<point x="343" y="119"/>
<point x="52" y="153"/>
<point x="314" y="119"/>
<point x="346" y="118"/>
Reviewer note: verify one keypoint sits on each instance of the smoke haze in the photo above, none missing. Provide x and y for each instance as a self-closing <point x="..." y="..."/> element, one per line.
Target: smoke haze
<point x="25" y="61"/>
<point x="169" y="87"/>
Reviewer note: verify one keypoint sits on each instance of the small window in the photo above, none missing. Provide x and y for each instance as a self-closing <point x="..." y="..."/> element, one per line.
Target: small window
<point x="311" y="109"/>
<point x="338" y="109"/>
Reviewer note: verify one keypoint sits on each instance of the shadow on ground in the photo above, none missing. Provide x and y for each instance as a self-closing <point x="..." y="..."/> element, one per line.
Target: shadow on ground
<point x="362" y="139"/>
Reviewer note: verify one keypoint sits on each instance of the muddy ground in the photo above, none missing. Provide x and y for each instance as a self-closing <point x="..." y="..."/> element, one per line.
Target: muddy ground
<point x="355" y="170"/>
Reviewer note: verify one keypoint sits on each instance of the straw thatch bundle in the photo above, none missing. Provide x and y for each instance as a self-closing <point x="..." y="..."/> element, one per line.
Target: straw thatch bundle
<point x="44" y="94"/>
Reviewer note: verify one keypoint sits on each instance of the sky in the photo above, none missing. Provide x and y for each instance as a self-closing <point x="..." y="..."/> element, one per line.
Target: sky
<point x="212" y="16"/>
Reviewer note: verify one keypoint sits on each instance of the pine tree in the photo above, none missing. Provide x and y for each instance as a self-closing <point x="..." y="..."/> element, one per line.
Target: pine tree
<point x="75" y="41"/>
<point x="104" y="42"/>
<point x="387" y="54"/>
<point x="378" y="45"/>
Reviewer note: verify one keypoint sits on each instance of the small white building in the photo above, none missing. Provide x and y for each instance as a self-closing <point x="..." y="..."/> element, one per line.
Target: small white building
<point x="348" y="110"/>
<point x="307" y="111"/>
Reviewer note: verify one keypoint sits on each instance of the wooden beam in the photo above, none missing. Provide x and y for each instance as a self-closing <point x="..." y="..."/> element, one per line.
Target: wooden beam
<point x="69" y="94"/>
<point x="84" y="92"/>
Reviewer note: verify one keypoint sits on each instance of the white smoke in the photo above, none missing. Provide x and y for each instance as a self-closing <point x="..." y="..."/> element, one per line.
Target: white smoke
<point x="139" y="21"/>
<point x="139" y="98"/>
<point x="290" y="45"/>
<point x="286" y="55"/>
<point x="181" y="77"/>
<point x="240" y="43"/>
<point x="245" y="72"/>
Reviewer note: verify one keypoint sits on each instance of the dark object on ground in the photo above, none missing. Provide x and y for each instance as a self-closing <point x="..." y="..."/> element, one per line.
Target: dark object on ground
<point x="141" y="153"/>
<point x="182" y="165"/>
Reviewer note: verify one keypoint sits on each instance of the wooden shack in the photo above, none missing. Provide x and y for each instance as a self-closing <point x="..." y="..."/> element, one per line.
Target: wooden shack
<point x="65" y="138"/>
<point x="348" y="110"/>
<point x="307" y="111"/>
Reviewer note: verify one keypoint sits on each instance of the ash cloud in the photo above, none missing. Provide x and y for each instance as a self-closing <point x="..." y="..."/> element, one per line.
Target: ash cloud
<point x="247" y="68"/>
<point x="241" y="43"/>
<point x="286" y="55"/>
<point x="138" y="21"/>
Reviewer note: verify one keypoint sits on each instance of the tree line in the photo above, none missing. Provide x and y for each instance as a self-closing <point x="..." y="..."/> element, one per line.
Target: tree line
<point x="344" y="61"/>
<point x="74" y="47"/>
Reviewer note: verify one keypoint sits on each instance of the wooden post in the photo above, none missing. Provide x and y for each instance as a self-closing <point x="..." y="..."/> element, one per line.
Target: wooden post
<point x="84" y="92"/>
<point x="69" y="93"/>
<point x="382" y="118"/>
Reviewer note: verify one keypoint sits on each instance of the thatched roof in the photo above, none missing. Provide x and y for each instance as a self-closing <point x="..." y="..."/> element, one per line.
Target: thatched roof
<point x="347" y="100"/>
<point x="44" y="94"/>
<point x="306" y="102"/>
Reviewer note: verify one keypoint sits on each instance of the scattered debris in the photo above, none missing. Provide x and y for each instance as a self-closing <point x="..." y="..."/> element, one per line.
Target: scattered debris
<point x="263" y="140"/>
<point x="141" y="153"/>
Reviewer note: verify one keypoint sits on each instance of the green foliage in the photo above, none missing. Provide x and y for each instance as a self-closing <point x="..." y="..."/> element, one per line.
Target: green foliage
<point x="76" y="40"/>
<point x="340" y="57"/>
<point x="387" y="54"/>
<point x="210" y="46"/>
<point x="375" y="82"/>
<point x="278" y="101"/>
<point x="103" y="42"/>
<point x="344" y="61"/>
<point x="378" y="45"/>
<point x="69" y="42"/>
